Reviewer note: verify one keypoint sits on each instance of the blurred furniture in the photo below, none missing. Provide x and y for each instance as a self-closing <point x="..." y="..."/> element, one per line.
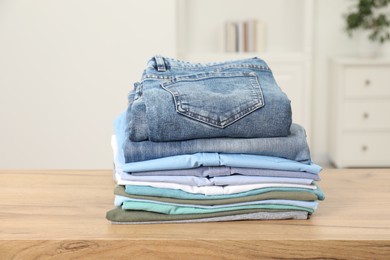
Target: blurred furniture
<point x="61" y="214"/>
<point x="359" y="102"/>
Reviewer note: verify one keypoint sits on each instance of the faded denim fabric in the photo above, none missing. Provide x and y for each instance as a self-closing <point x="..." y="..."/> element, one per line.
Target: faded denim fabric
<point x="293" y="147"/>
<point x="178" y="100"/>
<point x="203" y="176"/>
<point x="205" y="172"/>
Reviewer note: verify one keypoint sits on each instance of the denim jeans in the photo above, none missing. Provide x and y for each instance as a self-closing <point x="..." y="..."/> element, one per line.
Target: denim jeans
<point x="178" y="100"/>
<point x="293" y="147"/>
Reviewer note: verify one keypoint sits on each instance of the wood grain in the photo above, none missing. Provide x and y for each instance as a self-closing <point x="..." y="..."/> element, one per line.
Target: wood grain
<point x="62" y="213"/>
<point x="194" y="249"/>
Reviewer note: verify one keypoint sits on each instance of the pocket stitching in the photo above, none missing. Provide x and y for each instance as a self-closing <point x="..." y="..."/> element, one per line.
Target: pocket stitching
<point x="256" y="90"/>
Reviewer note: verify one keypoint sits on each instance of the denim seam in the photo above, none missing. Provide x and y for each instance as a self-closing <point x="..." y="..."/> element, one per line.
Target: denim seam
<point x="152" y="76"/>
<point x="138" y="90"/>
<point x="223" y="67"/>
<point x="197" y="67"/>
<point x="181" y="63"/>
<point x="212" y="122"/>
<point x="157" y="75"/>
<point x="208" y="75"/>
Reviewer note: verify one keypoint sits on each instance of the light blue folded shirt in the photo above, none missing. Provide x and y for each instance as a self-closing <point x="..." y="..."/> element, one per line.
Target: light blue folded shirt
<point x="187" y="161"/>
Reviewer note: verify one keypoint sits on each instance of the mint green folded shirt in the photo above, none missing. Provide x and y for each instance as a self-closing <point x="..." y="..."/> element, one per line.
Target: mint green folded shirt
<point x="179" y="194"/>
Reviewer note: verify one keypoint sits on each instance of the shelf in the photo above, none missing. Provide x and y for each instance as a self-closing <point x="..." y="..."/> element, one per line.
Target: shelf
<point x="353" y="60"/>
<point x="202" y="30"/>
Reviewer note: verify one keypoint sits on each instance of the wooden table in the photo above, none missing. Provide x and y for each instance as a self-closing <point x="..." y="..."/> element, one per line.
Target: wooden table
<point x="62" y="213"/>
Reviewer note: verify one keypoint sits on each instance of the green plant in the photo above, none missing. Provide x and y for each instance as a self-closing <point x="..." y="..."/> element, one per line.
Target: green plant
<point x="367" y="15"/>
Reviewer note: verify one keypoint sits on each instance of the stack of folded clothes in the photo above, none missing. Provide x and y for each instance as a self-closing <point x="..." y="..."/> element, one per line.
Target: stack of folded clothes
<point x="210" y="142"/>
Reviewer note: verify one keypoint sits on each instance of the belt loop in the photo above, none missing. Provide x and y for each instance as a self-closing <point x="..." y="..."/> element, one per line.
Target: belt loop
<point x="137" y="90"/>
<point x="160" y="63"/>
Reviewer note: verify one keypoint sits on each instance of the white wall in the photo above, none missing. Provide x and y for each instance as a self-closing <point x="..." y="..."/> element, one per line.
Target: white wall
<point x="330" y="40"/>
<point x="66" y="67"/>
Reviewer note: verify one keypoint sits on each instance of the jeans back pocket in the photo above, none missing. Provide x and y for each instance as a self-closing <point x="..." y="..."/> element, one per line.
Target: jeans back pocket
<point x="218" y="99"/>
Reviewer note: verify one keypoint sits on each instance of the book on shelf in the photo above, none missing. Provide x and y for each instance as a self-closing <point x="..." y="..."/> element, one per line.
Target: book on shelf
<point x="240" y="37"/>
<point x="245" y="36"/>
<point x="230" y="37"/>
<point x="260" y="38"/>
<point x="251" y="40"/>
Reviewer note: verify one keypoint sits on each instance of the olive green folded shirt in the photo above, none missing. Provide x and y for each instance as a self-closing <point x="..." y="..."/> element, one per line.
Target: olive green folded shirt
<point x="247" y="216"/>
<point x="119" y="215"/>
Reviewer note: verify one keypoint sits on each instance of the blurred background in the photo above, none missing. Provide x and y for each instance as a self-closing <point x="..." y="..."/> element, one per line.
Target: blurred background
<point x="66" y="67"/>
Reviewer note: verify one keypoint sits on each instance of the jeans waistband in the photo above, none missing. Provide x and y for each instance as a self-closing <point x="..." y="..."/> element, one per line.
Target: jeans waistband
<point x="164" y="64"/>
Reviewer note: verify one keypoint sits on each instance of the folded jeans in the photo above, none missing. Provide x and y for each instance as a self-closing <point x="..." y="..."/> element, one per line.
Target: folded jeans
<point x="178" y="100"/>
<point x="293" y="147"/>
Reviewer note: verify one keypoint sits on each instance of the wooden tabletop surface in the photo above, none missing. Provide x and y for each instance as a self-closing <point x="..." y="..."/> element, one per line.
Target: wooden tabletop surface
<point x="62" y="213"/>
